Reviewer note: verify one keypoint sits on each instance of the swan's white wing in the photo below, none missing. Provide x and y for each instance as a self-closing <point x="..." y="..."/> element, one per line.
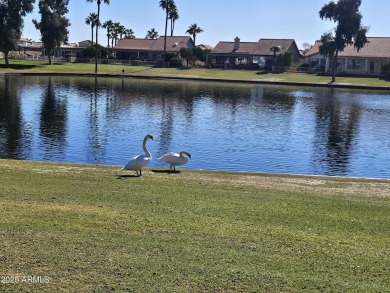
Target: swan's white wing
<point x="173" y="159"/>
<point x="168" y="157"/>
<point x="138" y="162"/>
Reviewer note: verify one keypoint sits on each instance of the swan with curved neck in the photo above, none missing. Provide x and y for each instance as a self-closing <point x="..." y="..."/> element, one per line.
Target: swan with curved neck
<point x="141" y="161"/>
<point x="175" y="159"/>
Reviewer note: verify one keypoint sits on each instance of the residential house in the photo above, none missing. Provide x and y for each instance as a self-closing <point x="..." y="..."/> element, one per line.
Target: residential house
<point x="150" y="49"/>
<point x="204" y="47"/>
<point x="250" y="54"/>
<point x="315" y="61"/>
<point x="31" y="48"/>
<point x="368" y="61"/>
<point x="36" y="50"/>
<point x="71" y="49"/>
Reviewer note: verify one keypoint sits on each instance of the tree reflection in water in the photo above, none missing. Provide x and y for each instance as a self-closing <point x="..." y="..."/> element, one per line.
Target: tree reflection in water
<point x="336" y="126"/>
<point x="11" y="124"/>
<point x="225" y="126"/>
<point x="53" y="120"/>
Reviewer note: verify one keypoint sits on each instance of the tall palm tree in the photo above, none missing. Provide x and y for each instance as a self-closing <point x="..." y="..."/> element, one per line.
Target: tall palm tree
<point x="108" y="25"/>
<point x="173" y="16"/>
<point x="129" y="34"/>
<point x="114" y="36"/>
<point x="91" y="20"/>
<point x="115" y="32"/>
<point x="275" y="49"/>
<point x="121" y="31"/>
<point x="193" y="30"/>
<point x="166" y="5"/>
<point x="152" y="34"/>
<point x="98" y="16"/>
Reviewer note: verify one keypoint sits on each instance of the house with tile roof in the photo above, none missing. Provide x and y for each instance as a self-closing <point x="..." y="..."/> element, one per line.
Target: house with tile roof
<point x="150" y="49"/>
<point x="31" y="48"/>
<point x="250" y="54"/>
<point x="72" y="49"/>
<point x="37" y="50"/>
<point x="368" y="61"/>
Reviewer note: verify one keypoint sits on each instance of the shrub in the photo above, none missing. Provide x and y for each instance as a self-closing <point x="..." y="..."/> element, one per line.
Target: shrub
<point x="175" y="62"/>
<point x="386" y="69"/>
<point x="169" y="56"/>
<point x="284" y="59"/>
<point x="304" y="65"/>
<point x="89" y="52"/>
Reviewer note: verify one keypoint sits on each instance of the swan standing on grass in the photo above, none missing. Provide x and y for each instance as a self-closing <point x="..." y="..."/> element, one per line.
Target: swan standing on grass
<point x="138" y="162"/>
<point x="175" y="159"/>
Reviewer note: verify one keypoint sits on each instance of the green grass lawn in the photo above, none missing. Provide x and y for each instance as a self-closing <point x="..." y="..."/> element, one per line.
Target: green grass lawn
<point x="25" y="66"/>
<point x="86" y="229"/>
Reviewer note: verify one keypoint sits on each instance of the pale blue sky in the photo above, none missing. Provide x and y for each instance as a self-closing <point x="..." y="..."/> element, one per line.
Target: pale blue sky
<point x="221" y="20"/>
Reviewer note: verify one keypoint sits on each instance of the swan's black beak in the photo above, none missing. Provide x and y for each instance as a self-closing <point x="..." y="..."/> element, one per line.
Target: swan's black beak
<point x="151" y="137"/>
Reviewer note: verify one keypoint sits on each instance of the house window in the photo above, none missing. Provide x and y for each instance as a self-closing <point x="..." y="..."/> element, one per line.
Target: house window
<point x="66" y="53"/>
<point x="241" y="60"/>
<point x="313" y="62"/>
<point x="154" y="56"/>
<point x="259" y="60"/>
<point x="353" y="64"/>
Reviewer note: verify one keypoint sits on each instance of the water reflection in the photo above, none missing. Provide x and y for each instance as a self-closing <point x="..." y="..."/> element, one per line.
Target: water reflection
<point x="96" y="139"/>
<point x="11" y="125"/>
<point x="224" y="126"/>
<point x="336" y="126"/>
<point x="53" y="120"/>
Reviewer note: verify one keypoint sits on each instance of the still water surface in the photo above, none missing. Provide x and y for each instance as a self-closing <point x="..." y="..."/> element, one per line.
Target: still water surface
<point x="233" y="127"/>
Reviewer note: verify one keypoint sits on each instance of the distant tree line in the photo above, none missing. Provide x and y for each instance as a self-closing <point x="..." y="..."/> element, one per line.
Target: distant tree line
<point x="53" y="27"/>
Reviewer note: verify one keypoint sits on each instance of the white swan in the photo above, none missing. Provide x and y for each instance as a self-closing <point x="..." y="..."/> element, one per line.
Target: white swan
<point x="138" y="162"/>
<point x="175" y="159"/>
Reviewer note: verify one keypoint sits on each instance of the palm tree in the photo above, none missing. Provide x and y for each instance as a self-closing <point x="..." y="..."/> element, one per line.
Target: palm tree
<point x="121" y="31"/>
<point x="91" y="20"/>
<point x="275" y="49"/>
<point x="115" y="32"/>
<point x="173" y="16"/>
<point x="129" y="34"/>
<point x="98" y="15"/>
<point x="108" y="25"/>
<point x="152" y="34"/>
<point x="114" y="37"/>
<point x="193" y="30"/>
<point x="166" y="5"/>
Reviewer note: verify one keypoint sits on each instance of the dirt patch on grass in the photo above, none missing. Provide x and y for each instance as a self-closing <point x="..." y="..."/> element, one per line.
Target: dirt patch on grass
<point x="273" y="79"/>
<point x="321" y="185"/>
<point x="48" y="167"/>
<point x="350" y="187"/>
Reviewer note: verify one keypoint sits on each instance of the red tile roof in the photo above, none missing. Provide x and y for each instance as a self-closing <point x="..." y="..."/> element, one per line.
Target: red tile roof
<point x="261" y="48"/>
<point x="228" y="47"/>
<point x="173" y="44"/>
<point x="314" y="49"/>
<point x="377" y="47"/>
<point x="264" y="45"/>
<point x="135" y="44"/>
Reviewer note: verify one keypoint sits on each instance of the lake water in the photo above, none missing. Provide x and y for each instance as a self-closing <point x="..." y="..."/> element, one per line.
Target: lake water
<point x="225" y="126"/>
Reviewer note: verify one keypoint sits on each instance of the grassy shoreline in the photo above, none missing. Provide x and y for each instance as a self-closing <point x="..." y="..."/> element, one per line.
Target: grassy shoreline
<point x="83" y="228"/>
<point x="89" y="230"/>
<point x="26" y="67"/>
